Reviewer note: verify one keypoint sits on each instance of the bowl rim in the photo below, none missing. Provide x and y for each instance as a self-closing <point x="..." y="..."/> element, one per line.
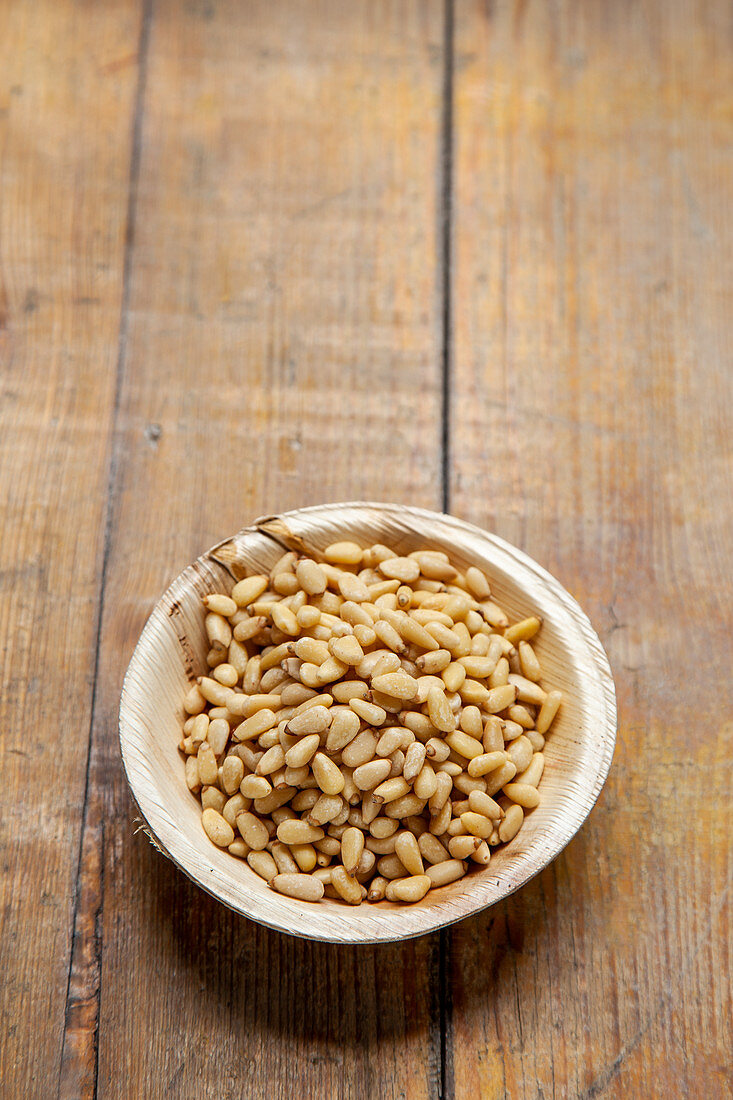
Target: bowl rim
<point x="578" y="812"/>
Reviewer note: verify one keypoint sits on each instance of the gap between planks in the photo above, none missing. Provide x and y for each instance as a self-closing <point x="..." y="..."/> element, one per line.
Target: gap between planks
<point x="80" y="1039"/>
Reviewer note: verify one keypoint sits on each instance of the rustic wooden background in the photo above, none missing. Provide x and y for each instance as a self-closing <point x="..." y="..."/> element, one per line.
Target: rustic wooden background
<point x="472" y="255"/>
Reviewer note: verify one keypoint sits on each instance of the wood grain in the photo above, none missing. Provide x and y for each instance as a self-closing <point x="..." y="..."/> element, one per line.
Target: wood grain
<point x="591" y="425"/>
<point x="64" y="150"/>
<point x="283" y="315"/>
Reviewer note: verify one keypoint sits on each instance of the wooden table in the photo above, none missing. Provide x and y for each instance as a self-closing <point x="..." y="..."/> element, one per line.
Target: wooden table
<point x="473" y="256"/>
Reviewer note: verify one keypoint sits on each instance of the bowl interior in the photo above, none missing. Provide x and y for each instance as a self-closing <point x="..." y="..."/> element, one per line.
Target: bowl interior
<point x="172" y="650"/>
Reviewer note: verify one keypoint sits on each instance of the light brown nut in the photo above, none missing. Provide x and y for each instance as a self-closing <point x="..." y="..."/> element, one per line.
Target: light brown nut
<point x="377" y="888"/>
<point x="406" y="806"/>
<point x="477" y="825"/>
<point x="465" y="745"/>
<point x="347" y="690"/>
<point x="477" y="584"/>
<point x="298" y="832"/>
<point x="414" y="761"/>
<point x="408" y="852"/>
<point x="370" y="712"/>
<point x="248" y="590"/>
<point x="485" y="763"/>
<point x="346" y="886"/>
<point x="398" y="684"/>
<point x="311" y="577"/>
<point x="499" y="698"/>
<point x="305" y="856"/>
<point x="361" y="750"/>
<point x="409" y="889"/>
<point x="232" y="774"/>
<point x="520" y="753"/>
<point x="253" y="830"/>
<point x="262" y="864"/>
<point x="303" y="887"/>
<point x="208" y="767"/>
<point x="193" y="701"/>
<point x="217" y="828"/>
<point x="481" y="803"/>
<point x="523" y="631"/>
<point x="327" y="774"/>
<point x="255" y="786"/>
<point x="214" y="798"/>
<point x="343" y="729"/>
<point x="327" y="807"/>
<point x="271" y="761"/>
<point x="343" y="553"/>
<point x="523" y="794"/>
<point x="533" y="773"/>
<point x="463" y="847"/>
<point x="548" y="710"/>
<point x="426" y="783"/>
<point x="254" y="726"/>
<point x="439" y="710"/>
<point x="313" y="719"/>
<point x="391" y="789"/>
<point x="511" y="824"/>
<point x="352" y="847"/>
<point x="304" y="751"/>
<point x="495" y="780"/>
<point x="440" y="874"/>
<point x="366" y="776"/>
<point x="405" y="570"/>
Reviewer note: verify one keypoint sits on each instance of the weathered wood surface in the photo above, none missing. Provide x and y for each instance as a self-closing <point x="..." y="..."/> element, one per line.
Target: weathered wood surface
<point x="223" y="240"/>
<point x="592" y="425"/>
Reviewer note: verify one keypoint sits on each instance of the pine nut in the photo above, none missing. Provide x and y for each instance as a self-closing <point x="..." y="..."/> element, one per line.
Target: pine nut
<point x="367" y="776"/>
<point x="232" y="773"/>
<point x="463" y="847"/>
<point x="408" y="852"/>
<point x="327" y="774"/>
<point x="346" y="886"/>
<point x="404" y="807"/>
<point x="255" y="786"/>
<point x="263" y="865"/>
<point x="450" y="870"/>
<point x="377" y="888"/>
<point x="253" y="831"/>
<point x="477" y="583"/>
<point x="464" y="744"/>
<point x="523" y="794"/>
<point x="352" y="847"/>
<point x="485" y="763"/>
<point x="439" y="711"/>
<point x="360" y="750"/>
<point x="548" y="710"/>
<point x="410" y="889"/>
<point x="511" y="823"/>
<point x="523" y="631"/>
<point x="520" y="753"/>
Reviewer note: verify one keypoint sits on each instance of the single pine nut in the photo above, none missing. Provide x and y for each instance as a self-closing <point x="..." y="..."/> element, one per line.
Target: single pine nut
<point x="255" y="786"/>
<point x="298" y="832"/>
<point x="271" y="761"/>
<point x="477" y="584"/>
<point x="303" y="752"/>
<point x="262" y="864"/>
<point x="548" y="710"/>
<point x="406" y="806"/>
<point x="408" y="852"/>
<point x="208" y="767"/>
<point x="391" y="789"/>
<point x="367" y="776"/>
<point x="325" y="809"/>
<point x="481" y="803"/>
<point x="523" y="794"/>
<point x="450" y="870"/>
<point x="214" y="798"/>
<point x="352" y="847"/>
<point x="496" y="779"/>
<point x="303" y="887"/>
<point x="253" y="831"/>
<point x="499" y="698"/>
<point x="327" y="774"/>
<point x="314" y="719"/>
<point x="476" y="824"/>
<point x="410" y="889"/>
<point x="397" y="684"/>
<point x="248" y="590"/>
<point x="500" y="675"/>
<point x="464" y="744"/>
<point x="361" y="750"/>
<point x="232" y="773"/>
<point x="343" y="553"/>
<point x="311" y="577"/>
<point x="520" y="753"/>
<point x="439" y="710"/>
<point x="260" y="722"/>
<point x="511" y="824"/>
<point x="377" y="888"/>
<point x="523" y="631"/>
<point x="346" y="886"/>
<point x="371" y="713"/>
<point x="193" y="701"/>
<point x="462" y="847"/>
<point x="487" y="762"/>
<point x="217" y="828"/>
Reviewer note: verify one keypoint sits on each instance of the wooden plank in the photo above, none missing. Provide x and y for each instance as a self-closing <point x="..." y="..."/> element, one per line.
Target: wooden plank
<point x="66" y="100"/>
<point x="591" y="425"/>
<point x="283" y="348"/>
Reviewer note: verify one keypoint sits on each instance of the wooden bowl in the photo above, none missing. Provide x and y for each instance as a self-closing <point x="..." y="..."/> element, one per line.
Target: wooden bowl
<point x="172" y="650"/>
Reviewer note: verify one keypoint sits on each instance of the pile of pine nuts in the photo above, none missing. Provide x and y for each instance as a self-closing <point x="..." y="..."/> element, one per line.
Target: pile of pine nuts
<point x="371" y="724"/>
